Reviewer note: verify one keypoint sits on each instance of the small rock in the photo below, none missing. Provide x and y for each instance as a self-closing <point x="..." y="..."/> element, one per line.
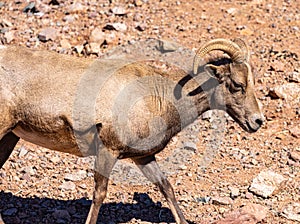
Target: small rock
<point x="10" y="212"/>
<point x="22" y="152"/>
<point x="120" y="27"/>
<point x="231" y="11"/>
<point x="61" y="214"/>
<point x="222" y="200"/>
<point x="287" y="91"/>
<point x="292" y="212"/>
<point x="259" y="211"/>
<point x="68" y="186"/>
<point x="248" y="195"/>
<point x="79" y="48"/>
<point x="295" y="132"/>
<point x="277" y="66"/>
<point x="234" y="192"/>
<point x="203" y="199"/>
<point x="94" y="48"/>
<point x="190" y="146"/>
<point x="9" y="36"/>
<point x="141" y="26"/>
<point x="30" y="8"/>
<point x="295" y="155"/>
<point x="7" y="23"/>
<point x="182" y="167"/>
<point x="55" y="159"/>
<point x="47" y="34"/>
<point x="76" y="7"/>
<point x="97" y="36"/>
<point x="69" y="18"/>
<point x="266" y="183"/>
<point x="249" y="214"/>
<point x="25" y="176"/>
<point x="119" y="11"/>
<point x="80" y="175"/>
<point x="167" y="46"/>
<point x="29" y="170"/>
<point x="64" y="43"/>
<point x="294" y="77"/>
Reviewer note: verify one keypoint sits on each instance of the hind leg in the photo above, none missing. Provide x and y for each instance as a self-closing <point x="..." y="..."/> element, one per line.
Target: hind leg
<point x="7" y="144"/>
<point x="151" y="170"/>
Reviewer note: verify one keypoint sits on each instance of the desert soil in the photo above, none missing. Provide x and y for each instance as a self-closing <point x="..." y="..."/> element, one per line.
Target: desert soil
<point x="42" y="186"/>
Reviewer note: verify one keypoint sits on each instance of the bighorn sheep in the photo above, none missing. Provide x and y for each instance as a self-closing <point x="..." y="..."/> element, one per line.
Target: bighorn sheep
<point x="116" y="110"/>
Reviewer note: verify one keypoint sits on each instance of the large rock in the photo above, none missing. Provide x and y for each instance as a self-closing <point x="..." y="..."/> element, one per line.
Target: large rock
<point x="266" y="183"/>
<point x="249" y="214"/>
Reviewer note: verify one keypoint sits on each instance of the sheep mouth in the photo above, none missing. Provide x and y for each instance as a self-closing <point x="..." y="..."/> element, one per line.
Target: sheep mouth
<point x="244" y="124"/>
<point x="250" y="128"/>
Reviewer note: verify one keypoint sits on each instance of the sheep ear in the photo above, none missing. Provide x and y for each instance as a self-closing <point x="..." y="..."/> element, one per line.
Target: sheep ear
<point x="216" y="71"/>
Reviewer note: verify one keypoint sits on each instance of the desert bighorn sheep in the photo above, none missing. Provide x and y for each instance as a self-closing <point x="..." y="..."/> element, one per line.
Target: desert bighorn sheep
<point x="116" y="110"/>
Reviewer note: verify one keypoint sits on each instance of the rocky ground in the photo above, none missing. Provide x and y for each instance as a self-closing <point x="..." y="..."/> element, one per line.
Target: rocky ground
<point x="246" y="178"/>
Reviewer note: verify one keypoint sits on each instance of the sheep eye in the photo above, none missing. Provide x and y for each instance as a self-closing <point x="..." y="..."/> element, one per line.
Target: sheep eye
<point x="236" y="87"/>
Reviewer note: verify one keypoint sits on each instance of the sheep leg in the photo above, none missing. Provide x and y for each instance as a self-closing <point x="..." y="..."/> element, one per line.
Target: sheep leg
<point x="104" y="164"/>
<point x="151" y="170"/>
<point x="7" y="144"/>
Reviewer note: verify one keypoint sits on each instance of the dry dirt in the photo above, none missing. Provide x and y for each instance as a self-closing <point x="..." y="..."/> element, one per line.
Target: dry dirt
<point x="34" y="185"/>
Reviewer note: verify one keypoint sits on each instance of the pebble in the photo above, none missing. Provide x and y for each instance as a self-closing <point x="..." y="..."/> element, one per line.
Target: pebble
<point x="292" y="211"/>
<point x="97" y="36"/>
<point x="167" y="46"/>
<point x="295" y="155"/>
<point x="119" y="11"/>
<point x="23" y="152"/>
<point x="9" y="36"/>
<point x="80" y="175"/>
<point x="64" y="43"/>
<point x="222" y="200"/>
<point x="76" y="7"/>
<point x="295" y="131"/>
<point x="55" y="159"/>
<point x="294" y="77"/>
<point x="234" y="192"/>
<point x="67" y="185"/>
<point x="190" y="146"/>
<point x="94" y="48"/>
<point x="119" y="27"/>
<point x="47" y="34"/>
<point x="266" y="183"/>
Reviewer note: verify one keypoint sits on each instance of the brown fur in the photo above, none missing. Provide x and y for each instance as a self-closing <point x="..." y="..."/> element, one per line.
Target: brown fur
<point x="67" y="104"/>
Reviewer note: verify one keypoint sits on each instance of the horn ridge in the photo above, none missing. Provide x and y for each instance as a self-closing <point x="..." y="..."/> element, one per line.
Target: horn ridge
<point x="227" y="46"/>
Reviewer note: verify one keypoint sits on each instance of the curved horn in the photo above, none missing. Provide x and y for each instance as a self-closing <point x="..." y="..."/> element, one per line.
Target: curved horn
<point x="244" y="47"/>
<point x="229" y="47"/>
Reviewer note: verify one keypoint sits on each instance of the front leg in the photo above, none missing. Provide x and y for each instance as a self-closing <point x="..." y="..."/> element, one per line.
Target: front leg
<point x="151" y="170"/>
<point x="104" y="164"/>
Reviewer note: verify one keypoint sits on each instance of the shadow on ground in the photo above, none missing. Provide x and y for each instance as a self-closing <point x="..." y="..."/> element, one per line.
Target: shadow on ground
<point x="16" y="210"/>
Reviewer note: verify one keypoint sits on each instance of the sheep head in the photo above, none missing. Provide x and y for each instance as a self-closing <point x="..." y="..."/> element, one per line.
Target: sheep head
<point x="236" y="93"/>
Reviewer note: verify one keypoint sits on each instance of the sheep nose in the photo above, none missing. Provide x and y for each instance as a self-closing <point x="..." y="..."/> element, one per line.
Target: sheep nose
<point x="258" y="120"/>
